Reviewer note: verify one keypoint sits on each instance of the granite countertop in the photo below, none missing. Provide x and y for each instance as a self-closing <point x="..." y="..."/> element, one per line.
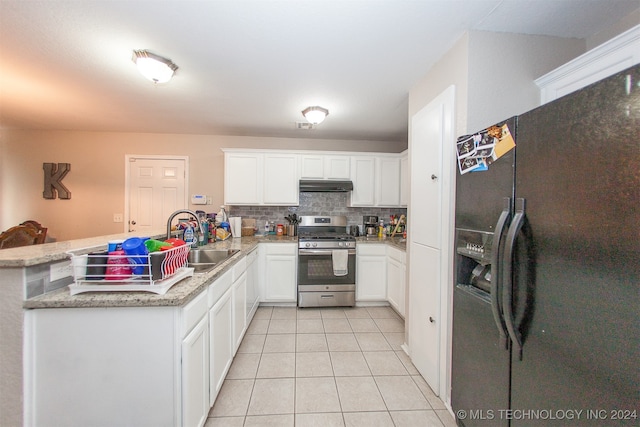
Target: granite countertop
<point x="397" y="242"/>
<point x="26" y="256"/>
<point x="178" y="295"/>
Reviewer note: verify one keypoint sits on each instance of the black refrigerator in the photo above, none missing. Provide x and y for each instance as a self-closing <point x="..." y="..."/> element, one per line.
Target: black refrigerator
<point x="546" y="305"/>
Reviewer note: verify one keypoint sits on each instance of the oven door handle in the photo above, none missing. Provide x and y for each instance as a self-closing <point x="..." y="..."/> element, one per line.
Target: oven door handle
<point x="323" y="251"/>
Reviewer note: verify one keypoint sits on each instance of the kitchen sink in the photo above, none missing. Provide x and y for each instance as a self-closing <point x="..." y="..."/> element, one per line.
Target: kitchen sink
<point x="203" y="260"/>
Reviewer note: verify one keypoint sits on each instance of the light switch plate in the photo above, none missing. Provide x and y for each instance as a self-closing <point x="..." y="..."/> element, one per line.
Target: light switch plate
<point x="60" y="270"/>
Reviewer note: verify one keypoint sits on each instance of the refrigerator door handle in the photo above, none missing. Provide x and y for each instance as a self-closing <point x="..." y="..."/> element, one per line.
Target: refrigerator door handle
<point x="496" y="277"/>
<point x="507" y="290"/>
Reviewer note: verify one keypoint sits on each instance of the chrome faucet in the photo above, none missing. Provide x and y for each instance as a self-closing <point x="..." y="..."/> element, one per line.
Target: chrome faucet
<point x="185" y="211"/>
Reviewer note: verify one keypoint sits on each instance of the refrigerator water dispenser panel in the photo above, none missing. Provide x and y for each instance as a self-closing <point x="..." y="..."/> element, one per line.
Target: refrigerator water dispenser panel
<point x="473" y="259"/>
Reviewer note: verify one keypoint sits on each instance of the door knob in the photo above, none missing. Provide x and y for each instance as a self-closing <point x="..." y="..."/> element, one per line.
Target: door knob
<point x="433" y="177"/>
<point x="432" y="320"/>
<point x="133" y="223"/>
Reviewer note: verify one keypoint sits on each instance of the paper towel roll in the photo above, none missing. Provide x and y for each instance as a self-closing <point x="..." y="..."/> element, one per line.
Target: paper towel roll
<point x="236" y="226"/>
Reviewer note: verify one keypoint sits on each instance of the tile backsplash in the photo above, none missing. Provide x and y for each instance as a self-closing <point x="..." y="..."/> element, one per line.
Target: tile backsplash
<point x="314" y="204"/>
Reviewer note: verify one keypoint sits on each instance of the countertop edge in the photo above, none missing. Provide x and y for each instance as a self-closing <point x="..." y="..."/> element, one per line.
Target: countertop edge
<point x="179" y="294"/>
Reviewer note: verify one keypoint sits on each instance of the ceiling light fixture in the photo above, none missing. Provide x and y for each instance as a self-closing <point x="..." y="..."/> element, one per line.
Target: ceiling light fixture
<point x="315" y="115"/>
<point x="154" y="67"/>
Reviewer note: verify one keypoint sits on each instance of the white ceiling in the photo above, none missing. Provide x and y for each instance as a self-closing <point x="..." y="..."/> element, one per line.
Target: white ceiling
<point x="249" y="67"/>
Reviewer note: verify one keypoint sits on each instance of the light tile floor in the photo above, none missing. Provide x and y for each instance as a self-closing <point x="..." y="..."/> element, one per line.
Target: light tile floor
<point x="326" y="367"/>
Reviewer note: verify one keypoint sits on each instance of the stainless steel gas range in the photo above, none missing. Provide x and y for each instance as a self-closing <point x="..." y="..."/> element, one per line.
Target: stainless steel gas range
<point x="326" y="262"/>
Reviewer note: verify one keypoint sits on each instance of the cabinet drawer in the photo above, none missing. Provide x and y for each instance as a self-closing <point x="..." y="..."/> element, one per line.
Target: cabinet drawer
<point x="281" y="249"/>
<point x="239" y="268"/>
<point x="219" y="287"/>
<point x="253" y="255"/>
<point x="371" y="249"/>
<point x="193" y="312"/>
<point x="396" y="254"/>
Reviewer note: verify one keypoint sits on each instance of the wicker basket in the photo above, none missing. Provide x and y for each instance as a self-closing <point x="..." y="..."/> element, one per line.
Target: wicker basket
<point x="248" y="231"/>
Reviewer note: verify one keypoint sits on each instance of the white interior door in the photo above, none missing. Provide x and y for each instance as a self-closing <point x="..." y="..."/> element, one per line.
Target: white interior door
<point x="157" y="186"/>
<point x="430" y="225"/>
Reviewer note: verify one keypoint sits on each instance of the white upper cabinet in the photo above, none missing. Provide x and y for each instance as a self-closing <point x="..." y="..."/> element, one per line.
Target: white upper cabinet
<point x="324" y="166"/>
<point x="376" y="180"/>
<point x="404" y="179"/>
<point x="243" y="178"/>
<point x="363" y="175"/>
<point x="337" y="167"/>
<point x="388" y="181"/>
<point x="271" y="177"/>
<point x="312" y="166"/>
<point x="260" y="178"/>
<point x="281" y="179"/>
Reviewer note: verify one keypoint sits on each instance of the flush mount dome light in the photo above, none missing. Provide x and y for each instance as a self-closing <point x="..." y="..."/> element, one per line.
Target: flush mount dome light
<point x="154" y="67"/>
<point x="315" y="115"/>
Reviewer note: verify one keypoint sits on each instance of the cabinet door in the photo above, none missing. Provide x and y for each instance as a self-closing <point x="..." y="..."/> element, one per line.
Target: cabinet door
<point x="404" y="180"/>
<point x="243" y="174"/>
<point x="371" y="278"/>
<point x="363" y="176"/>
<point x="195" y="375"/>
<point x="428" y="131"/>
<point x="280" y="276"/>
<point x="239" y="297"/>
<point x="395" y="284"/>
<point x="337" y="167"/>
<point x="253" y="293"/>
<point x="311" y="166"/>
<point x="281" y="186"/>
<point x="424" y="312"/>
<point x="220" y="343"/>
<point x="388" y="182"/>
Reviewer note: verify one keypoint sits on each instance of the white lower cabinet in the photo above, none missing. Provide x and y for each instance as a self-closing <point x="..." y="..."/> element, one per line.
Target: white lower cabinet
<point x="396" y="271"/>
<point x="280" y="261"/>
<point x="195" y="375"/>
<point x="156" y="366"/>
<point x="220" y="334"/>
<point x="371" y="272"/>
<point x="239" y="297"/>
<point x="253" y="289"/>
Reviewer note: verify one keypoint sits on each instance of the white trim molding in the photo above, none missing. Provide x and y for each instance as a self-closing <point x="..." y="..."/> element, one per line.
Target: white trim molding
<point x="617" y="54"/>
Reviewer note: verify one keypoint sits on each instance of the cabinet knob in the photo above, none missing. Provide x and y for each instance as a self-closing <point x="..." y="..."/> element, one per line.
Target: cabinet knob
<point x="433" y="177"/>
<point x="133" y="223"/>
<point x="432" y="320"/>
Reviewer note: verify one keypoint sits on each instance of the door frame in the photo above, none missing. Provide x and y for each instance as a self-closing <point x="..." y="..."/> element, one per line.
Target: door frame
<point x="127" y="178"/>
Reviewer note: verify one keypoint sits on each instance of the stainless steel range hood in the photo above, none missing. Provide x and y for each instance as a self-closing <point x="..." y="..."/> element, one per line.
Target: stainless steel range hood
<point x="326" y="186"/>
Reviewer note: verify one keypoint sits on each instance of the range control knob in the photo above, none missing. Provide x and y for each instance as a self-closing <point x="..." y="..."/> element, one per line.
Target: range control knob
<point x="315" y="244"/>
<point x="306" y="245"/>
<point x="341" y="244"/>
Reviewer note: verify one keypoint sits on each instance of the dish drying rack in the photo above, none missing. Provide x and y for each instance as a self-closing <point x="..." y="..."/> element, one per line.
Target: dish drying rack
<point x="94" y="272"/>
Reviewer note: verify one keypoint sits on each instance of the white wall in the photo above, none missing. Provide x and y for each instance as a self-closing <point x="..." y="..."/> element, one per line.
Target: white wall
<point x="629" y="21"/>
<point x="502" y="70"/>
<point x="451" y="69"/>
<point x="96" y="180"/>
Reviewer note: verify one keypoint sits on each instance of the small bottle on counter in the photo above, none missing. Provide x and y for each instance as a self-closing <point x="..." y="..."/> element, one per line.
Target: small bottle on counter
<point x="189" y="236"/>
<point x="279" y="230"/>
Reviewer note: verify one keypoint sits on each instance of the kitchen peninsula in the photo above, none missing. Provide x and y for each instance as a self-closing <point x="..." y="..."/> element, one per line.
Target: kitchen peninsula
<point x="120" y="349"/>
<point x="125" y="355"/>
